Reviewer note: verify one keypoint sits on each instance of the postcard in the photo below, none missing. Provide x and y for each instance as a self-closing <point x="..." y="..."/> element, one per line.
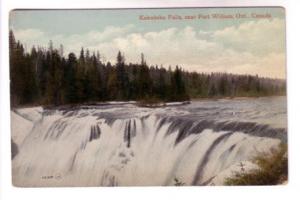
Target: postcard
<point x="148" y="97"/>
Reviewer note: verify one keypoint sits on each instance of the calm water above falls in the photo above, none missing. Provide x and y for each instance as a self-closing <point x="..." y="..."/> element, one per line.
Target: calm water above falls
<point x="121" y="144"/>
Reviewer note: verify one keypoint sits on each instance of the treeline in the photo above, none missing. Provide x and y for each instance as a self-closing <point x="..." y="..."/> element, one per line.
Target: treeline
<point x="45" y="76"/>
<point x="232" y="85"/>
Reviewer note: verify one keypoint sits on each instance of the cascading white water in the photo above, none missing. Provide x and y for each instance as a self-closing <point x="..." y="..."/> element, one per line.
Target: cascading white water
<point x="87" y="147"/>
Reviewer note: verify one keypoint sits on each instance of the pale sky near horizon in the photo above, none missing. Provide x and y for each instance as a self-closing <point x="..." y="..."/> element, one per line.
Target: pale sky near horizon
<point x="242" y="46"/>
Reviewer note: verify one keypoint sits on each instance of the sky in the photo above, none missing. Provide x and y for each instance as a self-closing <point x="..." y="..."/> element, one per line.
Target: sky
<point x="251" y="45"/>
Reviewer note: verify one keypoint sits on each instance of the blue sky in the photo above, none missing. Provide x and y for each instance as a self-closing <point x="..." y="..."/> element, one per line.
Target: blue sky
<point x="251" y="45"/>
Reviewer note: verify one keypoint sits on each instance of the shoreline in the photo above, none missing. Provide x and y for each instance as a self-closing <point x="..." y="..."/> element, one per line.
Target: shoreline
<point x="137" y="103"/>
<point x="235" y="98"/>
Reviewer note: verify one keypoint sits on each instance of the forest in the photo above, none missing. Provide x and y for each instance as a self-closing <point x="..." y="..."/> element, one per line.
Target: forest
<point x="44" y="76"/>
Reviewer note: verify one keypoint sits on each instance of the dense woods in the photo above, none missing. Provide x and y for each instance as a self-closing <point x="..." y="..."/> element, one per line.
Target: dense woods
<point x="45" y="76"/>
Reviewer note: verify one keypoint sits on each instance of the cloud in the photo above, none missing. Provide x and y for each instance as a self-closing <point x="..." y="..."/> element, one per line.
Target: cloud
<point x="257" y="37"/>
<point x="72" y="43"/>
<point x="253" y="47"/>
<point x="168" y="47"/>
<point x="29" y="34"/>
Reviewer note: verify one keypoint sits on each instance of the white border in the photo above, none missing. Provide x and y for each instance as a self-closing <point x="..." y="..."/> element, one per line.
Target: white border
<point x="7" y="191"/>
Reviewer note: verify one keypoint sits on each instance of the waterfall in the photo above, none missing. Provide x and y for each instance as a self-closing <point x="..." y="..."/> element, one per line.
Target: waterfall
<point x="84" y="148"/>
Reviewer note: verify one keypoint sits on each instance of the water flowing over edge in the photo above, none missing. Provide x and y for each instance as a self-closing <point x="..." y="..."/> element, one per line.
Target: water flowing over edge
<point x="84" y="148"/>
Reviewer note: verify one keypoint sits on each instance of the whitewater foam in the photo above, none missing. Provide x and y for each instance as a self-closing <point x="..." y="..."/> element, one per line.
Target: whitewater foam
<point x="146" y="147"/>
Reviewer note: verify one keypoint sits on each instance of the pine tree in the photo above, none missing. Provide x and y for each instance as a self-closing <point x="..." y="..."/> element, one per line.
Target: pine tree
<point x="122" y="78"/>
<point x="80" y="77"/>
<point x="55" y="78"/>
<point x="45" y="76"/>
<point x="162" y="87"/>
<point x="71" y="92"/>
<point x="178" y="87"/>
<point x="144" y="80"/>
<point x="112" y="85"/>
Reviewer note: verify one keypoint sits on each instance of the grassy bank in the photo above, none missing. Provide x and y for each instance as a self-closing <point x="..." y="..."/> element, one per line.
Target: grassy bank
<point x="272" y="169"/>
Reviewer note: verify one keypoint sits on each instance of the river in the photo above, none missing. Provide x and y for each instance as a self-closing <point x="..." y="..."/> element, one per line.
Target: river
<point x="121" y="144"/>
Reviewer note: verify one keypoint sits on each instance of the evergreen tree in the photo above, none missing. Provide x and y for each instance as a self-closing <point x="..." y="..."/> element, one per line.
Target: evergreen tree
<point x="71" y="94"/>
<point x="54" y="79"/>
<point x="122" y="77"/>
<point x="112" y="84"/>
<point x="144" y="80"/>
<point x="178" y="87"/>
<point x="45" y="76"/>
